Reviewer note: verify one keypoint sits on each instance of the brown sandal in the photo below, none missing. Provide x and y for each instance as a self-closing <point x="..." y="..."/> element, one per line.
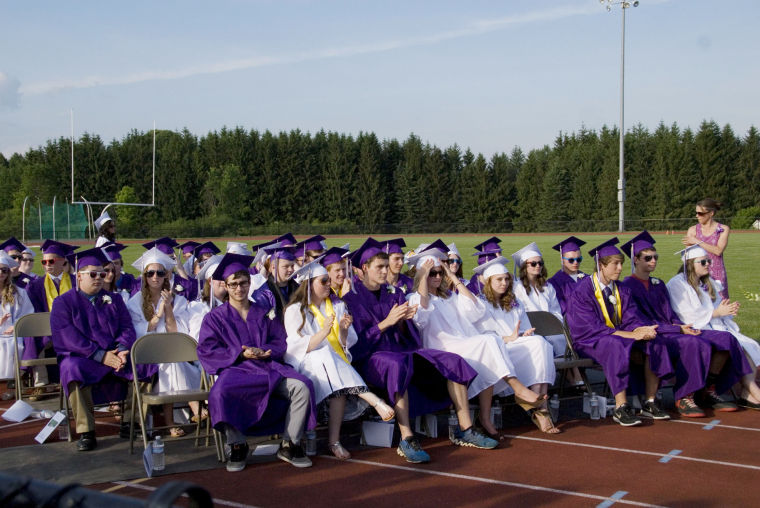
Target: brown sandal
<point x="534" y="417"/>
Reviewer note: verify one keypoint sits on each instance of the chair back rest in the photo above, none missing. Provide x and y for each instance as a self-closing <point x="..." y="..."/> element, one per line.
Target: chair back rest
<point x="546" y="323"/>
<point x="36" y="324"/>
<point x="168" y="347"/>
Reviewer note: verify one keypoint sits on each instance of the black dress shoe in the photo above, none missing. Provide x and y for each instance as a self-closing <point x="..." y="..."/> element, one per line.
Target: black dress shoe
<point x="87" y="442"/>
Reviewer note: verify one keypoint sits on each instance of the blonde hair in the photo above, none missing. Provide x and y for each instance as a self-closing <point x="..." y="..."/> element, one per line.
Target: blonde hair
<point x="440" y="292"/>
<point x="694" y="280"/>
<point x="8" y="291"/>
<point x="147" y="305"/>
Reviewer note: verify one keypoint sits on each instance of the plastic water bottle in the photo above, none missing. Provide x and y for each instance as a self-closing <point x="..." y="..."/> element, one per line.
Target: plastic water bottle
<point x="158" y="454"/>
<point x="594" y="407"/>
<point x="453" y="424"/>
<point x="554" y="407"/>
<point x="63" y="430"/>
<point x="496" y="415"/>
<point x="311" y="443"/>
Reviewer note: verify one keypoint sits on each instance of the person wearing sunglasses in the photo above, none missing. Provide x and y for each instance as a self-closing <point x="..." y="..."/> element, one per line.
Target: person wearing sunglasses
<point x="706" y="361"/>
<point x="320" y="336"/>
<point x="696" y="299"/>
<point x="92" y="335"/>
<point x="606" y="326"/>
<point x="255" y="393"/>
<point x="446" y="322"/>
<point x="155" y="308"/>
<point x="180" y="281"/>
<point x="21" y="273"/>
<point x="106" y="228"/>
<point x="533" y="291"/>
<point x="42" y="291"/>
<point x="712" y="236"/>
<point x="455" y="263"/>
<point x="566" y="278"/>
<point x="14" y="303"/>
<point x="123" y="284"/>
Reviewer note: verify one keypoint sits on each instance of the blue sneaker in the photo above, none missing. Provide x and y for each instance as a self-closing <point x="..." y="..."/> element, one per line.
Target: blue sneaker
<point x="410" y="449"/>
<point x="473" y="438"/>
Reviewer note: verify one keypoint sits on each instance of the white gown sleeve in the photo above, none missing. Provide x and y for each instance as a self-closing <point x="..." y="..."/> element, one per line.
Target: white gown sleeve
<point x="298" y="342"/>
<point x="686" y="303"/>
<point x="138" y="319"/>
<point x="422" y="316"/>
<point x="468" y="308"/>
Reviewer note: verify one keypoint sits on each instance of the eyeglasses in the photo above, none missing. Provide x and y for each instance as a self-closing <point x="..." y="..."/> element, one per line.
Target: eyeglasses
<point x="535" y="263"/>
<point x="95" y="275"/>
<point x="50" y="262"/>
<point x="572" y="260"/>
<point x="324" y="281"/>
<point x="650" y="257"/>
<point x="454" y="261"/>
<point x="16" y="256"/>
<point x="158" y="273"/>
<point x="704" y="262"/>
<point x="436" y="273"/>
<point x="5" y="270"/>
<point x="27" y="260"/>
<point x="235" y="285"/>
<point x="702" y="214"/>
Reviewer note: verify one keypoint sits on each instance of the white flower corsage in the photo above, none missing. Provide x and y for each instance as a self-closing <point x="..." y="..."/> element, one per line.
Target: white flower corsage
<point x="612" y="299"/>
<point x="178" y="288"/>
<point x="403" y="289"/>
<point x="581" y="275"/>
<point x="271" y="314"/>
<point x="391" y="289"/>
<point x="655" y="280"/>
<point x="107" y="299"/>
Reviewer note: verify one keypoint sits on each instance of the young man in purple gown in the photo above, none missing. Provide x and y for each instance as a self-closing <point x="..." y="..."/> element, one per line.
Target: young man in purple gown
<point x="567" y="277"/>
<point x="389" y="356"/>
<point x="707" y="362"/>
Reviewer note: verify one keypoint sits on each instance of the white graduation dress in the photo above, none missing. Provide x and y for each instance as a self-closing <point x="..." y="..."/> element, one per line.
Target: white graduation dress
<point x="532" y="356"/>
<point x="447" y="325"/>
<point x="696" y="307"/>
<point x="171" y="376"/>
<point x="21" y="307"/>
<point x="324" y="367"/>
<point x="545" y="300"/>
<point x="195" y="312"/>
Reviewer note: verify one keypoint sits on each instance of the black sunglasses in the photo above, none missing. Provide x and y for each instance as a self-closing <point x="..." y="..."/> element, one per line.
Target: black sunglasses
<point x="704" y="262"/>
<point x="573" y="260"/>
<point x="650" y="257"/>
<point x="535" y="263"/>
<point x="160" y="273"/>
<point x="453" y="261"/>
<point x="16" y="256"/>
<point x="436" y="273"/>
<point x="95" y="275"/>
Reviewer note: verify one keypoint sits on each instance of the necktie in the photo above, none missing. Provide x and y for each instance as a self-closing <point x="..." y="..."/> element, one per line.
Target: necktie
<point x="607" y="293"/>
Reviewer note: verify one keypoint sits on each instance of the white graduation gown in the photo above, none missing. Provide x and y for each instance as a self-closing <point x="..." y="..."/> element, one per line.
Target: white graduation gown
<point x="21" y="307"/>
<point x="545" y="300"/>
<point x="696" y="307"/>
<point x="195" y="312"/>
<point x="447" y="325"/>
<point x="532" y="356"/>
<point x="322" y="365"/>
<point x="171" y="376"/>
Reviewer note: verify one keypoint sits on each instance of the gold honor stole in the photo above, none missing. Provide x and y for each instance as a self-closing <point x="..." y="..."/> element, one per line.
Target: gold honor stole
<point x="333" y="338"/>
<point x="51" y="293"/>
<point x="600" y="300"/>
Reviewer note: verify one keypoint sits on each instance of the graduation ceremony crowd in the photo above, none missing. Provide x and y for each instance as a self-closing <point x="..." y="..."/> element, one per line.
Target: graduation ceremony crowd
<point x="295" y="333"/>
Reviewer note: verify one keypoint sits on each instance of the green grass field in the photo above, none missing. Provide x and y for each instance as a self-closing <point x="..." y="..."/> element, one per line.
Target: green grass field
<point x="740" y="256"/>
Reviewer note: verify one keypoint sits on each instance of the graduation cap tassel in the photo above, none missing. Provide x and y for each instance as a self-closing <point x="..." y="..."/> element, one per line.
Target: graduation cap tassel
<point x="350" y="275"/>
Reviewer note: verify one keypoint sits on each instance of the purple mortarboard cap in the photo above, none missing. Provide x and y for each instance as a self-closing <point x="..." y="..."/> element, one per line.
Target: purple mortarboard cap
<point x="165" y="245"/>
<point x="492" y="244"/>
<point x="488" y="255"/>
<point x="230" y="264"/>
<point x="394" y="246"/>
<point x="57" y="248"/>
<point x="569" y="244"/>
<point x="188" y="247"/>
<point x="205" y="248"/>
<point x="437" y="251"/>
<point x="286" y="239"/>
<point x="256" y="248"/>
<point x="12" y="244"/>
<point x="91" y="257"/>
<point x="605" y="249"/>
<point x="368" y="249"/>
<point x="279" y="251"/>
<point x="316" y="242"/>
<point x="640" y="242"/>
<point x="332" y="255"/>
<point x="113" y="250"/>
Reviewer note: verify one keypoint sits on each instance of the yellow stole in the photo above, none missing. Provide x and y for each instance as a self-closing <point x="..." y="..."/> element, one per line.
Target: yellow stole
<point x="51" y="293"/>
<point x="333" y="338"/>
<point x="600" y="300"/>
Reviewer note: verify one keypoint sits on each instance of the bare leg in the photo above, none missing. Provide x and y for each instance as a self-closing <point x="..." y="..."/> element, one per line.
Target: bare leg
<point x="484" y="398"/>
<point x="621" y="398"/>
<point x="750" y="390"/>
<point x="717" y="361"/>
<point x="651" y="381"/>
<point x="524" y="393"/>
<point x="402" y="415"/>
<point x="458" y="394"/>
<point x="337" y="408"/>
<point x="383" y="409"/>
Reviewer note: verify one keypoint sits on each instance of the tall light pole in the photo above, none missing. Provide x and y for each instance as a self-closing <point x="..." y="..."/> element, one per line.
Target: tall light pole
<point x="621" y="177"/>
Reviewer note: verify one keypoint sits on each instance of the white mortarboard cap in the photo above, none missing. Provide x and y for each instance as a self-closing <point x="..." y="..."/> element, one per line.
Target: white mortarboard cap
<point x="496" y="266"/>
<point x="6" y="260"/>
<point x="29" y="251"/>
<point x="692" y="252"/>
<point x="238" y="248"/>
<point x="153" y="255"/>
<point x="453" y="249"/>
<point x="529" y="251"/>
<point x="437" y="251"/>
<point x="209" y="266"/>
<point x="104" y="217"/>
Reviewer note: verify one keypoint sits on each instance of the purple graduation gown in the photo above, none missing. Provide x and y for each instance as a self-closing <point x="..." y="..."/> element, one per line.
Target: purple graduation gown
<point x="404" y="283"/>
<point x="33" y="346"/>
<point x="242" y="394"/>
<point x="690" y="353"/>
<point x="474" y="285"/>
<point x="594" y="339"/>
<point x="394" y="361"/>
<point x="563" y="286"/>
<point x="80" y="330"/>
<point x="128" y="282"/>
<point x="23" y="280"/>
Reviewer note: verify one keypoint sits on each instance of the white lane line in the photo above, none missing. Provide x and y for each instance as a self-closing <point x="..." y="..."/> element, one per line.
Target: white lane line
<point x="150" y="488"/>
<point x="718" y="426"/>
<point x="494" y="482"/>
<point x="639" y="452"/>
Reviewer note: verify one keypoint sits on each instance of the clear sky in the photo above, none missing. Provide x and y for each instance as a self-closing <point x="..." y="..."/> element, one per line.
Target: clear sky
<point x="489" y="75"/>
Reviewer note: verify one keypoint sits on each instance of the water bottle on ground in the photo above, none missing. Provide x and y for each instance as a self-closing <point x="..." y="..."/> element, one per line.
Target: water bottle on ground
<point x="63" y="430"/>
<point x="554" y="407"/>
<point x="158" y="454"/>
<point x="594" y="407"/>
<point x="453" y="424"/>
<point x="311" y="443"/>
<point x="496" y="419"/>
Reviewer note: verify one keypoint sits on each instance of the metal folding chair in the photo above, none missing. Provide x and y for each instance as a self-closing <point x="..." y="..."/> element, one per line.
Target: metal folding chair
<point x="155" y="348"/>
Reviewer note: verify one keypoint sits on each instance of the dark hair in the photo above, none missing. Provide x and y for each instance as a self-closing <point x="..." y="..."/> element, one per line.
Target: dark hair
<point x="604" y="261"/>
<point x="710" y="204"/>
<point x="540" y="280"/>
<point x="379" y="255"/>
<point x="239" y="273"/>
<point x="112" y="286"/>
<point x="104" y="231"/>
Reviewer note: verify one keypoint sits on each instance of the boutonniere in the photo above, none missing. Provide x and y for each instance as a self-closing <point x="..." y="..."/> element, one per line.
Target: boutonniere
<point x="612" y="299"/>
<point x="581" y="275"/>
<point x="391" y="288"/>
<point x="271" y="314"/>
<point x="703" y="286"/>
<point x="514" y="304"/>
<point x="106" y="300"/>
<point x="178" y="288"/>
<point x="403" y="289"/>
<point x="655" y="280"/>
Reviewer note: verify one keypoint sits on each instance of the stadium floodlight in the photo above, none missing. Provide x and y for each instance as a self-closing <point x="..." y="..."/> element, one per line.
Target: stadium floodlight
<point x="621" y="177"/>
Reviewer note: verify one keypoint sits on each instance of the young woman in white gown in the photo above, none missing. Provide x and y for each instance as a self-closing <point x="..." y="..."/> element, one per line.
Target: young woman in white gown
<point x="320" y="335"/>
<point x="14" y="303"/>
